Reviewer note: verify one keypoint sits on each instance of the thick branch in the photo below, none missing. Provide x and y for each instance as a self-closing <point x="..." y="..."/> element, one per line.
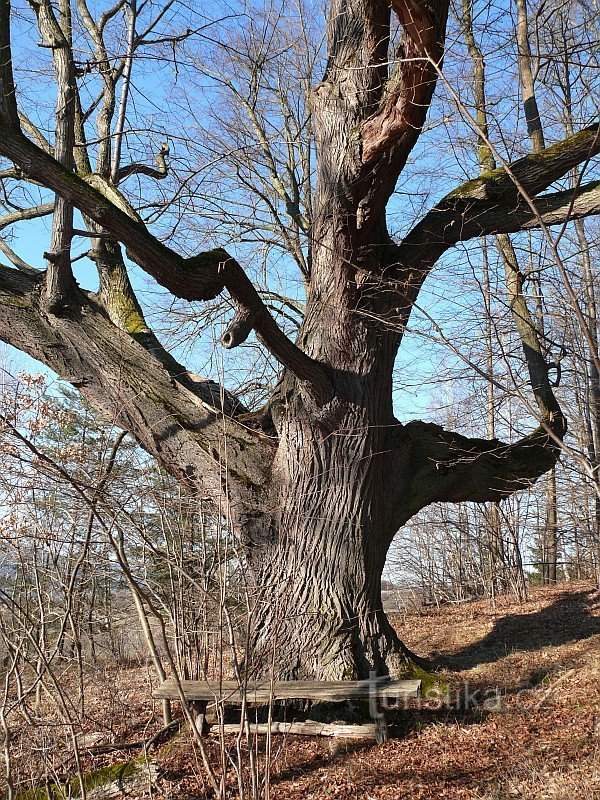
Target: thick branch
<point x="252" y="311"/>
<point x="463" y="220"/>
<point x="172" y="416"/>
<point x="468" y="219"/>
<point x="239" y="329"/>
<point x="408" y="93"/>
<point x="493" y="204"/>
<point x="121" y="304"/>
<point x="449" y="467"/>
<point x="192" y="279"/>
<point x="534" y="172"/>
<point x="199" y="278"/>
<point x="34" y="212"/>
<point x="366" y="121"/>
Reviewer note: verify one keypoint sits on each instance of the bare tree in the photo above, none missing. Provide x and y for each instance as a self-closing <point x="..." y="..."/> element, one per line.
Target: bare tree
<point x="317" y="485"/>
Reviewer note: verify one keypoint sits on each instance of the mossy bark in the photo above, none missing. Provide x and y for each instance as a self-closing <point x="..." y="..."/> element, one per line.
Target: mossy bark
<point x="119" y="777"/>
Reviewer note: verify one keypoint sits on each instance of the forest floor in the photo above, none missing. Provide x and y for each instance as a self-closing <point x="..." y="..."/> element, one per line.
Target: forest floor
<point x="516" y="714"/>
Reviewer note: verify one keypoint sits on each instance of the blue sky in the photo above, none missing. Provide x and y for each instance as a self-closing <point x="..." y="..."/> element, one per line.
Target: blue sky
<point x="442" y="159"/>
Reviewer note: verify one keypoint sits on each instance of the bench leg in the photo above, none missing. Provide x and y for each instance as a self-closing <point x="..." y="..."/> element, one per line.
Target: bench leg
<point x="381" y="729"/>
<point x="198" y="710"/>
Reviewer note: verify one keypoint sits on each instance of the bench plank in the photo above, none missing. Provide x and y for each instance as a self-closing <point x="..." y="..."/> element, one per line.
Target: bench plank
<point x="265" y="691"/>
<point x="308" y="728"/>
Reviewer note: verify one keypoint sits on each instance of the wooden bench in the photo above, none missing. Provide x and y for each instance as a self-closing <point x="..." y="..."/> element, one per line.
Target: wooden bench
<point x="201" y="694"/>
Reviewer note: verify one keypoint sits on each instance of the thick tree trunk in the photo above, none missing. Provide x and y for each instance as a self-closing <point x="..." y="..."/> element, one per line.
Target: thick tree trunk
<point x="319" y="573"/>
<point x="336" y="478"/>
<point x="319" y="613"/>
<point x="339" y="486"/>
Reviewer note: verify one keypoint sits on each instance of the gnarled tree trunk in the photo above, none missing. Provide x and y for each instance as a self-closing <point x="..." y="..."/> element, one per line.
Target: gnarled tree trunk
<point x="319" y="570"/>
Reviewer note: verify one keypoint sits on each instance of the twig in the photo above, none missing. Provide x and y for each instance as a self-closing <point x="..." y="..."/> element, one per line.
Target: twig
<point x="553" y="686"/>
<point x="145" y="744"/>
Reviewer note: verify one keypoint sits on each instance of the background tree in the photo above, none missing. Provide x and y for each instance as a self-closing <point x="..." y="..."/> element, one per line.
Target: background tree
<point x="317" y="484"/>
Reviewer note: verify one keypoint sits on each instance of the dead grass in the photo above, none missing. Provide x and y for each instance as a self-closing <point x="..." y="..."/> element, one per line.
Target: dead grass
<point x="539" y="662"/>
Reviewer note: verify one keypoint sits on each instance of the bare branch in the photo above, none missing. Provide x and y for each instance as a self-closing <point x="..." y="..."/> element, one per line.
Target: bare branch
<point x="9" y="116"/>
<point x="193" y="279"/>
<point x="35" y="212"/>
<point x="201" y="277"/>
<point x="485" y="217"/>
<point x="107" y="98"/>
<point x="35" y="133"/>
<point x="152" y="25"/>
<point x="125" y="86"/>
<point x="493" y="203"/>
<point x="292" y="203"/>
<point x="167" y="411"/>
<point x="535" y="172"/>
<point x="106" y="17"/>
<point x="158" y="172"/>
<point x="532" y="348"/>
<point x="16" y="260"/>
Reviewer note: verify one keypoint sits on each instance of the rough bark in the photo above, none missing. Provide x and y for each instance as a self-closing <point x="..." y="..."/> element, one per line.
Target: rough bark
<point x="173" y="414"/>
<point x="56" y="33"/>
<point x="550" y="534"/>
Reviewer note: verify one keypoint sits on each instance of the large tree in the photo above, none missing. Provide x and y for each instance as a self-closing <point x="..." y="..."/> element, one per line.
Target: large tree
<point x="315" y="486"/>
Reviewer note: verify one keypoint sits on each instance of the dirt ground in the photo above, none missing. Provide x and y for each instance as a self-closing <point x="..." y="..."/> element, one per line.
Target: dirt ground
<point x="515" y="713"/>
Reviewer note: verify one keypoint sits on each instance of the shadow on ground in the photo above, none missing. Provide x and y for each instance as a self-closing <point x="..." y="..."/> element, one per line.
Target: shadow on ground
<point x="567" y="619"/>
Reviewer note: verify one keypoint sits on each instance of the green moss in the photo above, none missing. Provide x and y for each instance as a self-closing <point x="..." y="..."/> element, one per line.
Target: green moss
<point x="497" y="180"/>
<point x="91" y="780"/>
<point x="124" y="310"/>
<point x="114" y="772"/>
<point x="472" y="188"/>
<point x="134" y="322"/>
<point x="432" y="686"/>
